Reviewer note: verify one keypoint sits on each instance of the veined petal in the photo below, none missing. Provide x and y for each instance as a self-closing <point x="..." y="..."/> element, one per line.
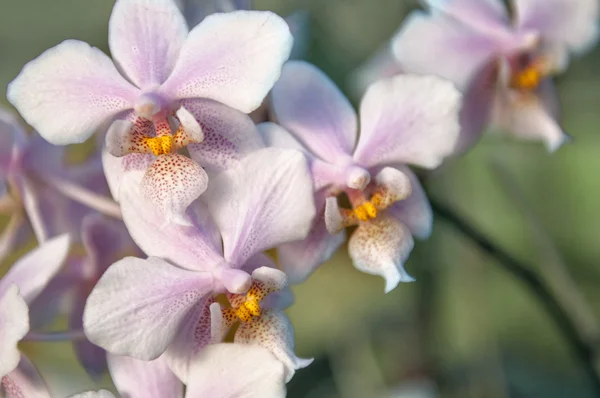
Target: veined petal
<point x="380" y="247"/>
<point x="231" y="371"/>
<point x="308" y="104"/>
<point x="145" y="37"/>
<point x="530" y="116"/>
<point x="34" y="270"/>
<point x="273" y="330"/>
<point x="143" y="379"/>
<point x="229" y="135"/>
<point x="138" y="306"/>
<point x="77" y="82"/>
<point x="408" y="119"/>
<point x="14" y="325"/>
<point x="234" y="58"/>
<point x="256" y="207"/>
<point x="172" y="183"/>
<point x="193" y="336"/>
<point x="24" y="382"/>
<point x="415" y="211"/>
<point x="569" y="23"/>
<point x="459" y="51"/>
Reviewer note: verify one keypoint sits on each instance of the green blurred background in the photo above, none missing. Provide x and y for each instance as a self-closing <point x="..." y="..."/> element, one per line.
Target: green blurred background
<point x="466" y="328"/>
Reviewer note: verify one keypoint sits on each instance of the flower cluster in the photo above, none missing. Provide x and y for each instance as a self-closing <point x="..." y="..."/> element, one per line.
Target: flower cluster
<point x="216" y="149"/>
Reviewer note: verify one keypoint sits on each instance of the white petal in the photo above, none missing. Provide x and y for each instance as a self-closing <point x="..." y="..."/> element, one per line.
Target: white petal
<point x="14" y="325"/>
<point x="264" y="201"/>
<point x="234" y="58"/>
<point x="231" y="371"/>
<point x="380" y="247"/>
<point x="408" y="119"/>
<point x="145" y="37"/>
<point x="77" y="82"/>
<point x="138" y="306"/>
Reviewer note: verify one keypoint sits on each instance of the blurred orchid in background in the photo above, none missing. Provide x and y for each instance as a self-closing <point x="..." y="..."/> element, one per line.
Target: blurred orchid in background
<point x="405" y="120"/>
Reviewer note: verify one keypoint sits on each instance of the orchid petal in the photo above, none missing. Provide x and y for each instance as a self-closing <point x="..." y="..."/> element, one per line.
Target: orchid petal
<point x="138" y="306"/>
<point x="483" y="15"/>
<point x="229" y="135"/>
<point x="459" y="51"/>
<point x="256" y="207"/>
<point x="94" y="394"/>
<point x="231" y="371"/>
<point x="145" y="37"/>
<point x="193" y="336"/>
<point x="24" y="382"/>
<point x="172" y="183"/>
<point x="14" y="325"/>
<point x="308" y="104"/>
<point x="90" y="356"/>
<point x="415" y="211"/>
<point x="33" y="271"/>
<point x="116" y="168"/>
<point x="77" y="82"/>
<point x="380" y="247"/>
<point x="123" y="138"/>
<point x="192" y="131"/>
<point x="408" y="119"/>
<point x="234" y="58"/>
<point x="143" y="379"/>
<point x="273" y="330"/>
<point x="569" y="23"/>
<point x="530" y="116"/>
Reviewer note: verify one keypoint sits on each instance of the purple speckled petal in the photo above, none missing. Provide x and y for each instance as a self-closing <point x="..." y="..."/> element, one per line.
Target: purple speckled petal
<point x="138" y="306"/>
<point x="234" y="58"/>
<point x="309" y="105"/>
<point x="77" y="82"/>
<point x="145" y="37"/>
<point x="24" y="381"/>
<point x="143" y="379"/>
<point x="256" y="207"/>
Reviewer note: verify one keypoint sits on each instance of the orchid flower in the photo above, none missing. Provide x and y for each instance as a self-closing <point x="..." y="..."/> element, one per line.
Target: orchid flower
<point x="404" y="120"/>
<point x="233" y="58"/>
<point x="161" y="305"/>
<point x="503" y="62"/>
<point x="19" y="287"/>
<point x="221" y="370"/>
<point x="54" y="197"/>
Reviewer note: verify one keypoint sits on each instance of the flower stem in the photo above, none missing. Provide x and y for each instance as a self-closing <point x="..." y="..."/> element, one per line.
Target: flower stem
<point x="581" y="348"/>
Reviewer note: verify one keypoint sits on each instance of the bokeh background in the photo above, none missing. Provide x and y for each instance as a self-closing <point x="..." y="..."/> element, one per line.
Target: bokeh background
<point x="466" y="328"/>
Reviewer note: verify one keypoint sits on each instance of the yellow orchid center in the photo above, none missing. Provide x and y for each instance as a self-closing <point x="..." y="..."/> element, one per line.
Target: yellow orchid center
<point x="162" y="145"/>
<point x="528" y="78"/>
<point x="247" y="307"/>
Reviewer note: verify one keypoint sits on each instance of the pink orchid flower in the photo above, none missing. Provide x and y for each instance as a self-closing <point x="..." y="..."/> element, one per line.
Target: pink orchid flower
<point x="233" y="58"/>
<point x="19" y="287"/>
<point x="404" y="120"/>
<point x="221" y="370"/>
<point x="502" y="61"/>
<point x="161" y="305"/>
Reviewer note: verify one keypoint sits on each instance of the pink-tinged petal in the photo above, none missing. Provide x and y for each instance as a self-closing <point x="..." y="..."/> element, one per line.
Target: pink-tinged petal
<point x="408" y="119"/>
<point x="123" y="138"/>
<point x="380" y="247"/>
<point x="234" y="58"/>
<point x="14" y="325"/>
<point x="476" y="110"/>
<point x="138" y="306"/>
<point x="483" y="15"/>
<point x="24" y="382"/>
<point x="192" y="131"/>
<point x="94" y="394"/>
<point x="415" y="211"/>
<point x="145" y="38"/>
<point x="231" y="371"/>
<point x="459" y="51"/>
<point x="229" y="135"/>
<point x="256" y="207"/>
<point x="116" y="168"/>
<point x="273" y="331"/>
<point x="77" y="82"/>
<point x="566" y="23"/>
<point x="193" y="336"/>
<point x="143" y="379"/>
<point x="33" y="271"/>
<point x="172" y="183"/>
<point x="308" y="104"/>
<point x="531" y="116"/>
